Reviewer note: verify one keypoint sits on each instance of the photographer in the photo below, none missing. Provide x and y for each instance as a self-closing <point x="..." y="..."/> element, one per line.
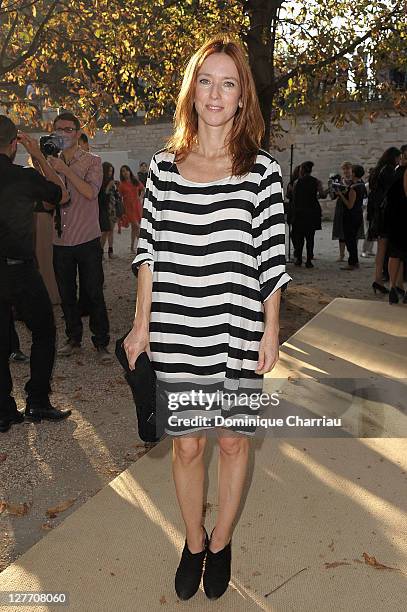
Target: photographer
<point x="78" y="249"/>
<point x="20" y="282"/>
<point x="336" y="184"/>
<point x="352" y="217"/>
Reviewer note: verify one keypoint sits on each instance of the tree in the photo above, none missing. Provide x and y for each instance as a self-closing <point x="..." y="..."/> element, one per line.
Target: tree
<point x="301" y="56"/>
<point x="317" y="56"/>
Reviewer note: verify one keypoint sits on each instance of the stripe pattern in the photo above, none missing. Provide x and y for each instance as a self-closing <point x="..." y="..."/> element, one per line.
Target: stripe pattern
<point x="217" y="253"/>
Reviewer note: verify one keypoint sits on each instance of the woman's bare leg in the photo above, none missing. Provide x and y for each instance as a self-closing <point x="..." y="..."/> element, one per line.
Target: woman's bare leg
<point x="381" y="252"/>
<point x="232" y="470"/>
<point x="189" y="476"/>
<point x="110" y="238"/>
<point x="103" y="240"/>
<point x="394" y="270"/>
<point x="400" y="276"/>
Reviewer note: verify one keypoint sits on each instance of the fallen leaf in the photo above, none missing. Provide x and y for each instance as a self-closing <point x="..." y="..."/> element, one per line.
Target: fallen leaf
<point x="3" y="506"/>
<point x="163" y="600"/>
<point x="18" y="509"/>
<point x="335" y="564"/>
<point x="47" y="526"/>
<point x="372" y="561"/>
<point x="3" y="456"/>
<point x="61" y="507"/>
<point x="331" y="546"/>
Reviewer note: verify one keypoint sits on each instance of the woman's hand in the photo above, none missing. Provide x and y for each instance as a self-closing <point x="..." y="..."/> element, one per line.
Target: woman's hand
<point x="135" y="343"/>
<point x="268" y="351"/>
<point x="109" y="186"/>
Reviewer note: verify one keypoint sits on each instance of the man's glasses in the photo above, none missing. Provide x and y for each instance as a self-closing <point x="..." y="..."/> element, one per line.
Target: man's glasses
<point x="67" y="130"/>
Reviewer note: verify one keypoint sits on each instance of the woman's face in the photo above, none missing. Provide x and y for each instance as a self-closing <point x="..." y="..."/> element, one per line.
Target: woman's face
<point x="347" y="172"/>
<point x="217" y="90"/>
<point x="125" y="173"/>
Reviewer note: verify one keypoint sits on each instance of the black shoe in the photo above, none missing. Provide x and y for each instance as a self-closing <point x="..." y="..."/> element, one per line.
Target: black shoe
<point x="217" y="571"/>
<point x="7" y="420"/>
<point x="297" y="262"/>
<point x="393" y="296"/>
<point x="19" y="357"/>
<point x="189" y="571"/>
<point x="47" y="412"/>
<point x="378" y="287"/>
<point x="309" y="264"/>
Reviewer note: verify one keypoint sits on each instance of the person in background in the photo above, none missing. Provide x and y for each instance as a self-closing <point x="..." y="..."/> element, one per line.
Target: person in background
<point x="306" y="213"/>
<point x="367" y="248"/>
<point x="78" y="249"/>
<point x="380" y="181"/>
<point x="131" y="190"/>
<point x="108" y="199"/>
<point x="337" y="227"/>
<point x="83" y="142"/>
<point x="21" y="284"/>
<point x="142" y="173"/>
<point x="352" y="216"/>
<point x="395" y="223"/>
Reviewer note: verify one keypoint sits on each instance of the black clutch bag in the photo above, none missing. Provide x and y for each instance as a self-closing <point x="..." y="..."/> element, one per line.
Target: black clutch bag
<point x="143" y="384"/>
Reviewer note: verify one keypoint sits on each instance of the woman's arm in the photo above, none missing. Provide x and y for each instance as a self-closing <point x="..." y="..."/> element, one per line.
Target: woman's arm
<point x="269" y="345"/>
<point x="269" y="241"/>
<point x="350" y="201"/>
<point x="138" y="340"/>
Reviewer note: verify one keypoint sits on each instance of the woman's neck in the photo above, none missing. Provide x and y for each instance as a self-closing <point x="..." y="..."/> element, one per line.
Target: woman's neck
<point x="211" y="140"/>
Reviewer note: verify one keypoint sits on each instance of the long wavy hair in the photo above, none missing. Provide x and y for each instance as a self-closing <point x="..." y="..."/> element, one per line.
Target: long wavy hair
<point x="244" y="139"/>
<point x="107" y="166"/>
<point x="389" y="158"/>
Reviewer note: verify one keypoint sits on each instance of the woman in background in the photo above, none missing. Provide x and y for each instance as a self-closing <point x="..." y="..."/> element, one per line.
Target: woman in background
<point x="337" y="227"/>
<point x="108" y="201"/>
<point x="380" y="181"/>
<point x="131" y="190"/>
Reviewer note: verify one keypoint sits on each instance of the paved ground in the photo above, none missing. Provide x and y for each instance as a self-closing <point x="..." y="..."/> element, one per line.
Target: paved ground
<point x="49" y="464"/>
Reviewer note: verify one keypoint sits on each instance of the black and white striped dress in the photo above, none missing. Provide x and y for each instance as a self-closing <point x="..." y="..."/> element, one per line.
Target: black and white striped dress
<point x="217" y="252"/>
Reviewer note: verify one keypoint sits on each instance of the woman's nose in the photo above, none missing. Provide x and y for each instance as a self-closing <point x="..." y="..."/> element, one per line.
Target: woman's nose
<point x="214" y="92"/>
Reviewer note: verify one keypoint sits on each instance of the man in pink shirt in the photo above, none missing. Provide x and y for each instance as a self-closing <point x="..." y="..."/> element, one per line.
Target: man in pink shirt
<point x="78" y="249"/>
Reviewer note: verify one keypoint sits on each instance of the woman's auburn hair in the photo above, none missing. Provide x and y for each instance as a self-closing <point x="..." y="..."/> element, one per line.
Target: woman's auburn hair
<point x="244" y="139"/>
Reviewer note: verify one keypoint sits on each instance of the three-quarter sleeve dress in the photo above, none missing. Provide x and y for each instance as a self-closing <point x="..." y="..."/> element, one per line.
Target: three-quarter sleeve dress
<point x="216" y="251"/>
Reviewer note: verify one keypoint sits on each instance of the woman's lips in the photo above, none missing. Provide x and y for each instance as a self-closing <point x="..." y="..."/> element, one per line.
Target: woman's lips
<point x="214" y="108"/>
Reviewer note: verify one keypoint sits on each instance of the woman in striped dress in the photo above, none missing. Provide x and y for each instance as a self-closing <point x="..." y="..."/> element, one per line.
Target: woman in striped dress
<point x="210" y="266"/>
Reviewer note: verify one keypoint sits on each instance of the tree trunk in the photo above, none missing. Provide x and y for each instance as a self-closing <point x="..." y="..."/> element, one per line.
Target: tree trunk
<point x="260" y="40"/>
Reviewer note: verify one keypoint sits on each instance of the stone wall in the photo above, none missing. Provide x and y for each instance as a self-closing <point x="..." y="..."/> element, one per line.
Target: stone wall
<point x="357" y="143"/>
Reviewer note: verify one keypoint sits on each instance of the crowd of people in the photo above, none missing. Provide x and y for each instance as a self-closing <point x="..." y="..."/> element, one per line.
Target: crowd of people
<point x="59" y="256"/>
<point x="371" y="208"/>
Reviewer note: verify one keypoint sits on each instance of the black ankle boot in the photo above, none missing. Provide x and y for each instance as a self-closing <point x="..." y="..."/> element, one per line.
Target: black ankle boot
<point x="217" y="571"/>
<point x="189" y="572"/>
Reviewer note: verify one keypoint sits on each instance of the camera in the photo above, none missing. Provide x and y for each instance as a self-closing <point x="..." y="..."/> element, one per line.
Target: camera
<point x="51" y="145"/>
<point x="335" y="185"/>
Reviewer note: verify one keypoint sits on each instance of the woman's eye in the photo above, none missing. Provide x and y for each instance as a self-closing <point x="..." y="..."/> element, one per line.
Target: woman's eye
<point x="204" y="81"/>
<point x="229" y="84"/>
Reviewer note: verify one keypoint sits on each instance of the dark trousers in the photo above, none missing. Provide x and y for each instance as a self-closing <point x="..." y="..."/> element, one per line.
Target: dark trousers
<point x="301" y="235"/>
<point x="87" y="260"/>
<point x="351" y="226"/>
<point x="14" y="339"/>
<point x="22" y="285"/>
